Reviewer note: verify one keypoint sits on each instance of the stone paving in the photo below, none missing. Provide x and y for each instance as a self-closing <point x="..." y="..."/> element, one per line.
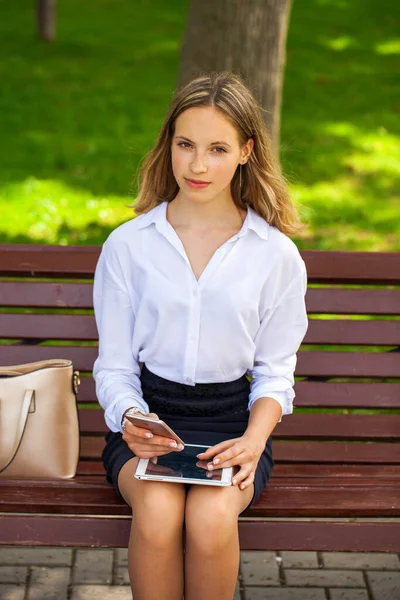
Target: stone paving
<point x="46" y="573"/>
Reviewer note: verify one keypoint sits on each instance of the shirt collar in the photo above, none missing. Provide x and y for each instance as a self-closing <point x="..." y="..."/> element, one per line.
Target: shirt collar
<point x="252" y="221"/>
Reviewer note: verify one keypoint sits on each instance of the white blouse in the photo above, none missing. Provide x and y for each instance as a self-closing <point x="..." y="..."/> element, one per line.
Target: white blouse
<point x="245" y="314"/>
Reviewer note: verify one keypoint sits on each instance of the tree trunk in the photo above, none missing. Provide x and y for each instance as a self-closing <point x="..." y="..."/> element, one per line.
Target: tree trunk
<point x="46" y="19"/>
<point x="247" y="37"/>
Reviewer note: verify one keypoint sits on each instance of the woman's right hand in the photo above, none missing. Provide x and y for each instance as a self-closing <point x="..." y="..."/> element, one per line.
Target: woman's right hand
<point x="145" y="444"/>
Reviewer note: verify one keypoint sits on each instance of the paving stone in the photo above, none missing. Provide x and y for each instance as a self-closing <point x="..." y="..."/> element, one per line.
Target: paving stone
<point x="299" y="560"/>
<point x="48" y="583"/>
<point x="324" y="577"/>
<point x="12" y="592"/>
<point x="348" y="594"/>
<point x="259" y="568"/>
<point x="284" y="593"/>
<point x="100" y="592"/>
<point x="31" y="555"/>
<point x="361" y="560"/>
<point x="384" y="586"/>
<point x="121" y="557"/>
<point x="13" y="574"/>
<point x="93" y="566"/>
<point x="121" y="576"/>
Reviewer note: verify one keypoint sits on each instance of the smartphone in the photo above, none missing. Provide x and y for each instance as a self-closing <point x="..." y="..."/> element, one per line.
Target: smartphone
<point x="156" y="426"/>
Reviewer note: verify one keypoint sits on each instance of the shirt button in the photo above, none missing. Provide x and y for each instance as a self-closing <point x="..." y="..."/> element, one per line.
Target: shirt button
<point x="188" y="380"/>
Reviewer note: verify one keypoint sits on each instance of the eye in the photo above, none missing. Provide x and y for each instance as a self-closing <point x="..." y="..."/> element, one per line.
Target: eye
<point x="219" y="149"/>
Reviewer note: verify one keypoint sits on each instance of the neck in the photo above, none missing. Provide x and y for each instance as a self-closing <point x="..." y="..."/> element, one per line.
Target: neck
<point x="204" y="215"/>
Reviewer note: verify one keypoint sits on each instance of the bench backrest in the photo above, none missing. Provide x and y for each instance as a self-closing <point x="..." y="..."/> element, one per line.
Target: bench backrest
<point x="348" y="369"/>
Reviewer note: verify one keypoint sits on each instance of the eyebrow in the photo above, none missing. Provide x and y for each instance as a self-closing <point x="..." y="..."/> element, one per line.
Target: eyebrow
<point x="212" y="144"/>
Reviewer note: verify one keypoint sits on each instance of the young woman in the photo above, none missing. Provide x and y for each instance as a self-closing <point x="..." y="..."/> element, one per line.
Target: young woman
<point x="201" y="290"/>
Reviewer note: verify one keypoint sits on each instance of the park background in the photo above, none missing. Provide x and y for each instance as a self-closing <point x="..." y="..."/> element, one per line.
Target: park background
<point x="80" y="113"/>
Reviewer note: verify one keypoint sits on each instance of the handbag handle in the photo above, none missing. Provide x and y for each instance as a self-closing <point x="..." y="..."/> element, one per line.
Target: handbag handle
<point x="23" y="418"/>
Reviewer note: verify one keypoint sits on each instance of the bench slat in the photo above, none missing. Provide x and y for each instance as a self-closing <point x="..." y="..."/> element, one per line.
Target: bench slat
<point x="305" y="426"/>
<point x="49" y="261"/>
<point x="80" y="261"/>
<point x="348" y="364"/>
<point x="361" y="332"/>
<point x="93" y="495"/>
<point x="325" y="364"/>
<point x="339" y="536"/>
<point x="311" y="394"/>
<point x="299" y="452"/>
<point x="295" y="470"/>
<point x="83" y="327"/>
<point x="347" y="395"/>
<point x="254" y="535"/>
<point x="352" y="267"/>
<point x="40" y="294"/>
<point x="345" y="301"/>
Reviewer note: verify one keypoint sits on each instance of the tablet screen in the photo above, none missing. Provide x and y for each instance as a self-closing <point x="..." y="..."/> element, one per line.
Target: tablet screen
<point x="183" y="464"/>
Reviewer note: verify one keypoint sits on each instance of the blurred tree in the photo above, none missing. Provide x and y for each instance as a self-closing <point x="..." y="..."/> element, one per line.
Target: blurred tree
<point x="46" y="19"/>
<point x="245" y="36"/>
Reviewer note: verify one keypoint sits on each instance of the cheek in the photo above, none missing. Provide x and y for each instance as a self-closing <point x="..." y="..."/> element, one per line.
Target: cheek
<point x="223" y="170"/>
<point x="179" y="163"/>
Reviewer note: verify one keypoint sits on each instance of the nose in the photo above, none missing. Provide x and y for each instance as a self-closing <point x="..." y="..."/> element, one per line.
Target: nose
<point x="198" y="164"/>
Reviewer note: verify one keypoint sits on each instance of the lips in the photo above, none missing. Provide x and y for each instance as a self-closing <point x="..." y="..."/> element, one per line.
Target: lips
<point x="197" y="181"/>
<point x="197" y="185"/>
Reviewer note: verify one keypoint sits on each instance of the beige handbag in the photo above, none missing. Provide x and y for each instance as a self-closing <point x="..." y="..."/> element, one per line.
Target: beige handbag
<point x="39" y="426"/>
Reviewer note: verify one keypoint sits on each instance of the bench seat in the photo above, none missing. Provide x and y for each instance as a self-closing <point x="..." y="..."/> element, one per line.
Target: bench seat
<point x="336" y="483"/>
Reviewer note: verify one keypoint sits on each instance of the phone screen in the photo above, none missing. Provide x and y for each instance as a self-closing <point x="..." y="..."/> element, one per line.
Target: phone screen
<point x="183" y="464"/>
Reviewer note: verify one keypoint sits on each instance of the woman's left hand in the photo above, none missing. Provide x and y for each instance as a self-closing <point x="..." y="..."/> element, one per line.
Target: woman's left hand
<point x="243" y="452"/>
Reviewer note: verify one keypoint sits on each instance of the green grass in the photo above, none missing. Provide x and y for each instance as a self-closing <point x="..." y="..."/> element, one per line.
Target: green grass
<point x="81" y="113"/>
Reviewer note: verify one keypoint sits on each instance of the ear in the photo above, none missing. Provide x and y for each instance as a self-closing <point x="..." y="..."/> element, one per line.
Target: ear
<point x="247" y="150"/>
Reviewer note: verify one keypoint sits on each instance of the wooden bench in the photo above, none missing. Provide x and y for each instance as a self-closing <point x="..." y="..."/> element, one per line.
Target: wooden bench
<point x="336" y="484"/>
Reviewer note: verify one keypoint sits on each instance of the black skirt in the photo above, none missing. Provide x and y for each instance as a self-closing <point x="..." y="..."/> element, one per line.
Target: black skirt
<point x="205" y="414"/>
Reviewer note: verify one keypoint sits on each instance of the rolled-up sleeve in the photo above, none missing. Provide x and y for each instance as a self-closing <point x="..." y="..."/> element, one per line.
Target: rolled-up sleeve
<point x="277" y="341"/>
<point x="116" y="370"/>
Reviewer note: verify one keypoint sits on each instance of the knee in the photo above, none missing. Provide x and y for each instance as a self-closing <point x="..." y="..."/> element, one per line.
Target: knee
<point x="210" y="523"/>
<point x="158" y="517"/>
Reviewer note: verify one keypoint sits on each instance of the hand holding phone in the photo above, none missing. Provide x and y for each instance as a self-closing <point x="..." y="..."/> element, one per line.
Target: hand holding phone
<point x="148" y="436"/>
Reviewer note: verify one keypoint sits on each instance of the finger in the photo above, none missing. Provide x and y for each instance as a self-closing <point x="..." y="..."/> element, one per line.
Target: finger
<point x="153" y="416"/>
<point x="238" y="459"/>
<point x="139" y="432"/>
<point x="227" y="455"/>
<point x="150" y="448"/>
<point x="166" y="442"/>
<point x="139" y="435"/>
<point x="215" y="449"/>
<point x="248" y="481"/>
<point x="241" y="476"/>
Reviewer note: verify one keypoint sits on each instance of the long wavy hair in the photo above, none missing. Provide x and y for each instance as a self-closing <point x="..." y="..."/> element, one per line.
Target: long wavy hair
<point x="263" y="185"/>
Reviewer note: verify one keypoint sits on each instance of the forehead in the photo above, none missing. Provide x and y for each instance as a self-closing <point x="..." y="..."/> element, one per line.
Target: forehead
<point x="205" y="124"/>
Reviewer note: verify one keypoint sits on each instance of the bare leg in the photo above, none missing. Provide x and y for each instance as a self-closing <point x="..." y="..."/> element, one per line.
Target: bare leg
<point x="155" y="554"/>
<point x="212" y="541"/>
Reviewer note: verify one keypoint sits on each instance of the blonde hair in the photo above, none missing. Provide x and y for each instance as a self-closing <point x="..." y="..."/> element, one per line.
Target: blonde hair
<point x="263" y="185"/>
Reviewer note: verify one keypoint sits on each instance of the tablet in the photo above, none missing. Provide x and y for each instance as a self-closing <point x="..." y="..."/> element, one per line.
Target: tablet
<point x="182" y="467"/>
